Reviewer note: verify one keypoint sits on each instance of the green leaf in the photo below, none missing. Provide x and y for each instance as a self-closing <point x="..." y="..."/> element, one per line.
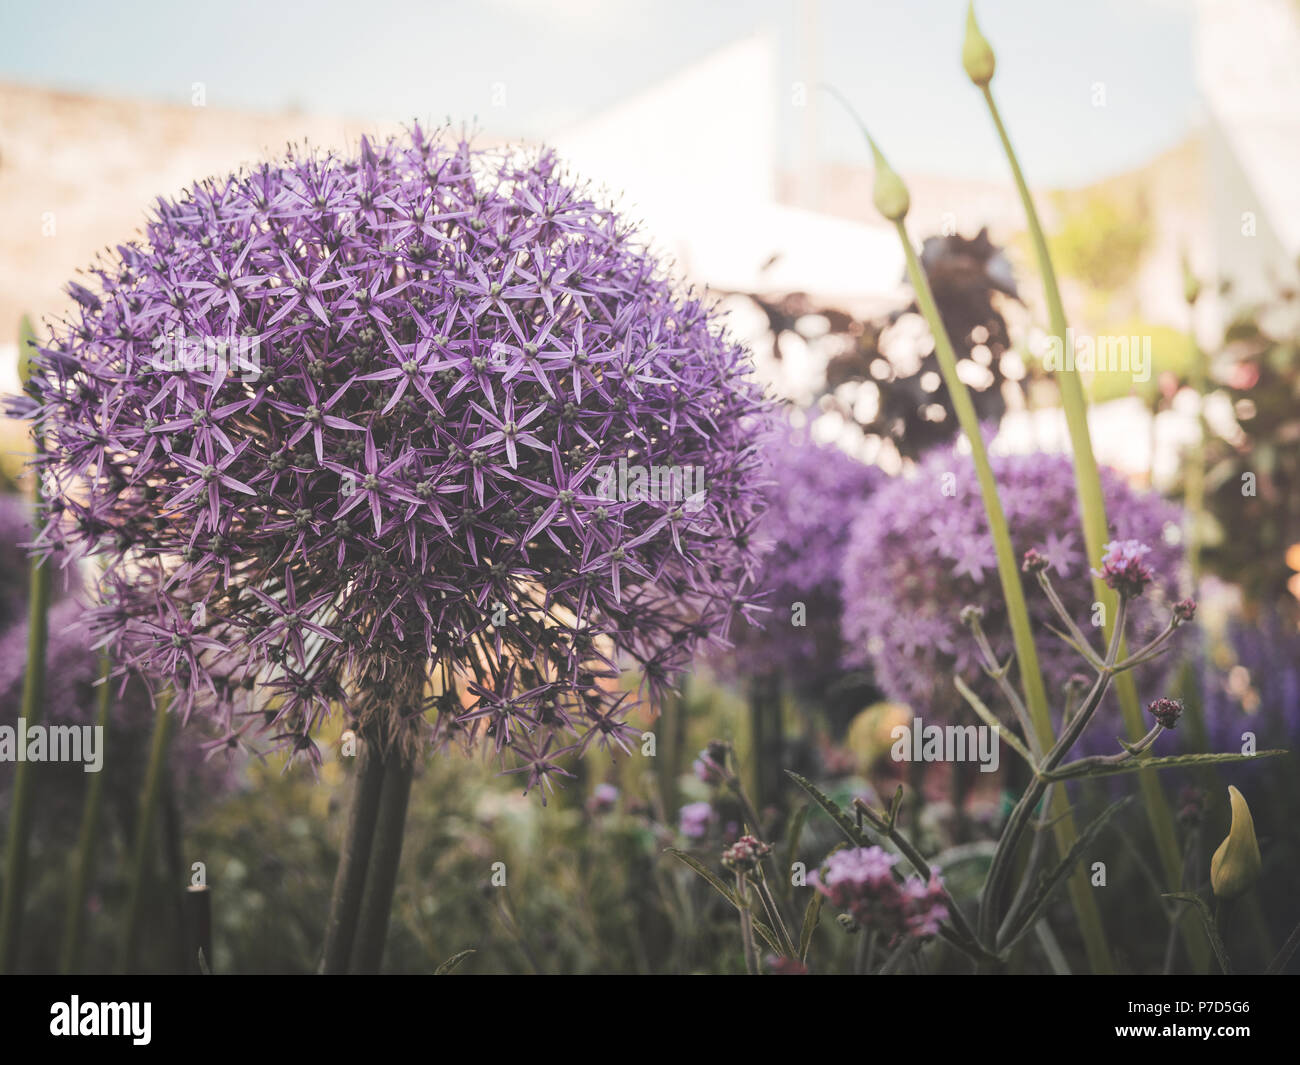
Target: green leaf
<point x="708" y="874"/>
<point x="1048" y="885"/>
<point x="769" y="937"/>
<point x="451" y="963"/>
<point x="1090" y="771"/>
<point x="1211" y="928"/>
<point x="847" y="825"/>
<point x="793" y="836"/>
<point x="989" y="718"/>
<point x="811" y="918"/>
<point x="1284" y="955"/>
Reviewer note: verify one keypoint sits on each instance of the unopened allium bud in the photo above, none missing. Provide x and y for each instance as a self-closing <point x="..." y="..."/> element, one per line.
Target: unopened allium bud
<point x="744" y="855"/>
<point x="1237" y="863"/>
<point x="976" y="52"/>
<point x="889" y="194"/>
<point x="1166" y="711"/>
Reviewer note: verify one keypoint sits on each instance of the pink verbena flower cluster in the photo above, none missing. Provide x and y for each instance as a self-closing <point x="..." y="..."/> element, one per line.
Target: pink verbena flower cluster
<point x="861" y="882"/>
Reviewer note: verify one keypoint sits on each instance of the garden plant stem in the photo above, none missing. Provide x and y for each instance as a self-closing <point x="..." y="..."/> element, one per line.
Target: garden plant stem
<point x="354" y="859"/>
<point x="1096" y="531"/>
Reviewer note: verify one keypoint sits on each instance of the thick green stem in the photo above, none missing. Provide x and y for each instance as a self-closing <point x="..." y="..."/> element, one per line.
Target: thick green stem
<point x="1096" y="531"/>
<point x="88" y="841"/>
<point x="354" y="858"/>
<point x="385" y="857"/>
<point x="32" y="711"/>
<point x="1031" y="676"/>
<point x="145" y="819"/>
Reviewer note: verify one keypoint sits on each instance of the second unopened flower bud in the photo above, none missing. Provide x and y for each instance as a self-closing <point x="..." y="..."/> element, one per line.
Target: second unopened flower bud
<point x="889" y="194"/>
<point x="976" y="52"/>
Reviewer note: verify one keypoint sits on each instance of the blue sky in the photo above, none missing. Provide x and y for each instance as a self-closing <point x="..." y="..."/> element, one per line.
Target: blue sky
<point x="898" y="60"/>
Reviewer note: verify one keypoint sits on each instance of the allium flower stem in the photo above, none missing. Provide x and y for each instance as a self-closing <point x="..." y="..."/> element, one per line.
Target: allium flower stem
<point x="1095" y="528"/>
<point x="1008" y="572"/>
<point x="354" y="859"/>
<point x="1026" y="654"/>
<point x="1194" y="490"/>
<point x="145" y="818"/>
<point x="385" y="857"/>
<point x="33" y="711"/>
<point x="766" y="738"/>
<point x="84" y="863"/>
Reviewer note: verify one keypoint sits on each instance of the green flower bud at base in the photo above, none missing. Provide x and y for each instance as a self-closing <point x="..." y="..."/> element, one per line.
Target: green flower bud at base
<point x="1236" y="864"/>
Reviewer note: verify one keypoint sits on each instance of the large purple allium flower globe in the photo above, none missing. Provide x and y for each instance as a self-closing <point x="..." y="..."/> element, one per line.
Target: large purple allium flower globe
<point x="422" y="426"/>
<point x="920" y="551"/>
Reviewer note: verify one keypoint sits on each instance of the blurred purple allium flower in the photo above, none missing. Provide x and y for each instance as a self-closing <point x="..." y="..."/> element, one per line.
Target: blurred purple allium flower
<point x="810" y="499"/>
<point x="694" y="819"/>
<point x="15" y="531"/>
<point x="1251" y="683"/>
<point x="1123" y="568"/>
<point x="861" y="882"/>
<point x="71" y="698"/>
<point x="920" y="551"/>
<point x="379" y="478"/>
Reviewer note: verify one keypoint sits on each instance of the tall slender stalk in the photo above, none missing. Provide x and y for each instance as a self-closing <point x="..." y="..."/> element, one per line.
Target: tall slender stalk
<point x="20" y="813"/>
<point x="32" y="711"/>
<point x="1013" y="593"/>
<point x="354" y="858"/>
<point x="385" y="857"/>
<point x="83" y="872"/>
<point x="1194" y="477"/>
<point x="145" y="819"/>
<point x="1096" y="529"/>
